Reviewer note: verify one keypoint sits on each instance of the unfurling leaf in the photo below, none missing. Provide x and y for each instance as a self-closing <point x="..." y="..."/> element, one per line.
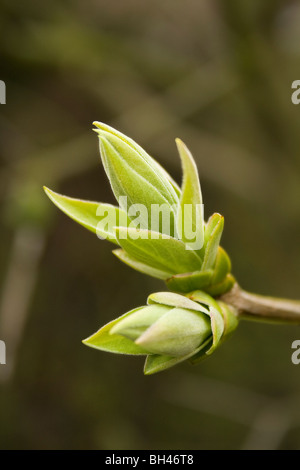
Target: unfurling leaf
<point x="190" y="231"/>
<point x="97" y="217"/>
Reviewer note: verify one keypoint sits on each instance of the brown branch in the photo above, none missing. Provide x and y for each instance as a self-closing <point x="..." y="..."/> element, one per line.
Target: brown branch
<point x="259" y="307"/>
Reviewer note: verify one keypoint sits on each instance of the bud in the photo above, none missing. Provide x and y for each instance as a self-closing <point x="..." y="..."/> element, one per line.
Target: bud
<point x="169" y="330"/>
<point x="159" y="227"/>
<point x="165" y="330"/>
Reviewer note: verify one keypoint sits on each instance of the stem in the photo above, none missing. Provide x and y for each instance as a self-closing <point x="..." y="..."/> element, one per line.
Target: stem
<point x="261" y="308"/>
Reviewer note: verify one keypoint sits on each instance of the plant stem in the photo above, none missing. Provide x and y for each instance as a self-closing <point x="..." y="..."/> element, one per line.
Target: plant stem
<point x="261" y="308"/>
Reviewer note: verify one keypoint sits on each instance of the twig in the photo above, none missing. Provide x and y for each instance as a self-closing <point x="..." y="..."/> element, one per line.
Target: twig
<point x="261" y="308"/>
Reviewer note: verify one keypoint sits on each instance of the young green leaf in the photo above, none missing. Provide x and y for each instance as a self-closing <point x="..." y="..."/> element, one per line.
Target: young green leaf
<point x="211" y="225"/>
<point x="222" y="266"/>
<point x="97" y="217"/>
<point x="161" y="172"/>
<point x="104" y="341"/>
<point x="224" y="286"/>
<point x="191" y="197"/>
<point x="217" y="326"/>
<point x="173" y="299"/>
<point x="133" y="175"/>
<point x="215" y="312"/>
<point x="188" y="282"/>
<point x="157" y="363"/>
<point x="157" y="250"/>
<point x="138" y="266"/>
<point x="212" y="244"/>
<point x="231" y="319"/>
<point x="164" y="173"/>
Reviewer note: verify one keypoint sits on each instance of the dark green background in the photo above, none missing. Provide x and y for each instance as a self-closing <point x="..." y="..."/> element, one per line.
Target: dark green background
<point x="218" y="75"/>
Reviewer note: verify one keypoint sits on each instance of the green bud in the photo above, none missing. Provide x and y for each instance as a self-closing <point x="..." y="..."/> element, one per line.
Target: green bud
<point x="176" y="333"/>
<point x="170" y="329"/>
<point x="165" y="330"/>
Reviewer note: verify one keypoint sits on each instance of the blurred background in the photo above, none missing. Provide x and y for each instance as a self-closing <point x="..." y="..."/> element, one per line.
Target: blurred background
<point x="217" y="74"/>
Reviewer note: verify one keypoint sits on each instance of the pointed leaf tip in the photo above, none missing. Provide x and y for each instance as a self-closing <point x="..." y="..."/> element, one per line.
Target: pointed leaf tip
<point x="97" y="217"/>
